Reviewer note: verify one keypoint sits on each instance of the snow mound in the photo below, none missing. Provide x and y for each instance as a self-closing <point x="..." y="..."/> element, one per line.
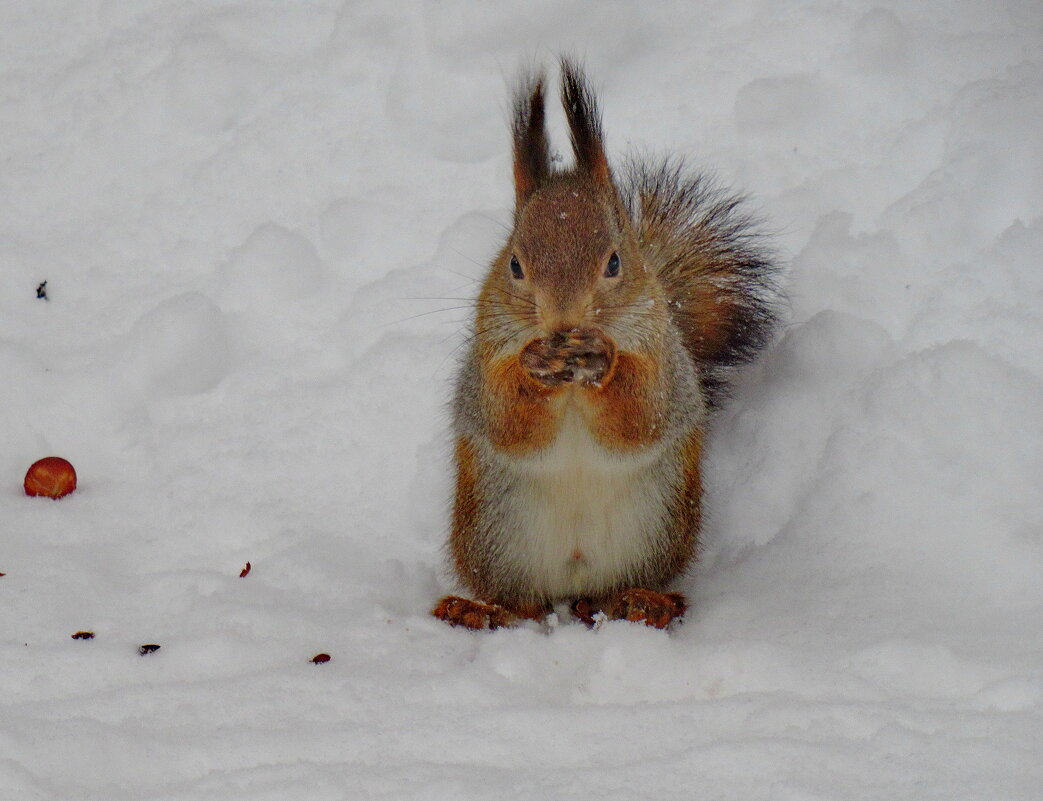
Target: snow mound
<point x="181" y="346"/>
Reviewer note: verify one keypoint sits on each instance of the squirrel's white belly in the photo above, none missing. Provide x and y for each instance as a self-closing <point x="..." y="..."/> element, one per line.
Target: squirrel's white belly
<point x="584" y="518"/>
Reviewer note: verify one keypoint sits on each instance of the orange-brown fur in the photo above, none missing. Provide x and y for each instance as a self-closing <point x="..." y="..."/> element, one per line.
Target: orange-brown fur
<point x="519" y="409"/>
<point x="465" y="515"/>
<point x="624" y="409"/>
<point x="685" y="510"/>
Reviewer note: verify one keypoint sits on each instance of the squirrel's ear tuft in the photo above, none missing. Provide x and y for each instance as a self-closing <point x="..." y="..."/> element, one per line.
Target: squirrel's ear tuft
<point x="581" y="109"/>
<point x="531" y="154"/>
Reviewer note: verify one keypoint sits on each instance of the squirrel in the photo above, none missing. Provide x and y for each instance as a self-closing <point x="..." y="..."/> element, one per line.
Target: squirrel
<point x="604" y="334"/>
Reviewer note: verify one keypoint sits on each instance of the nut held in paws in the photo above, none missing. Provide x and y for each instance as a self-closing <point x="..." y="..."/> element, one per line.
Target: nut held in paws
<point x="52" y="477"/>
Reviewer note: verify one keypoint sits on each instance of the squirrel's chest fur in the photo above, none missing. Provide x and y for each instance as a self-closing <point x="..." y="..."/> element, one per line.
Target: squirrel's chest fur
<point x="582" y="520"/>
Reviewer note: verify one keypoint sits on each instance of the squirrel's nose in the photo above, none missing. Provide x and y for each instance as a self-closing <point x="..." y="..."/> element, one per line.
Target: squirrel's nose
<point x="562" y="315"/>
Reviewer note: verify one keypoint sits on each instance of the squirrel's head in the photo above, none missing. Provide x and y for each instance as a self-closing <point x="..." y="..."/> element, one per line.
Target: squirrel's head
<point x="572" y="259"/>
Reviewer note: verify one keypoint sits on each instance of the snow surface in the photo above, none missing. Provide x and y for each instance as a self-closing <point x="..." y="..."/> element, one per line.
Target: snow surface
<point x="255" y="220"/>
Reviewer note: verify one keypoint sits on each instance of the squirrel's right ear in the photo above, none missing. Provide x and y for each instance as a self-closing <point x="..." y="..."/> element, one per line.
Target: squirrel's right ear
<point x="531" y="153"/>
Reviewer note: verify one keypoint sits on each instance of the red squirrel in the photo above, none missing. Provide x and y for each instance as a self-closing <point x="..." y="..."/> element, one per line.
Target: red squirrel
<point x="604" y="334"/>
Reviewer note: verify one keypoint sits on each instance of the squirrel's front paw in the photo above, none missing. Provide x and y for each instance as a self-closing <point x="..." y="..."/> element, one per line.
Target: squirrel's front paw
<point x="546" y="363"/>
<point x="588" y="354"/>
<point x="581" y="355"/>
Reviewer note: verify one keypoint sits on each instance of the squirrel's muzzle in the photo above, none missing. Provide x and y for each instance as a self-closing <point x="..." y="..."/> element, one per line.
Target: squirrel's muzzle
<point x="563" y="314"/>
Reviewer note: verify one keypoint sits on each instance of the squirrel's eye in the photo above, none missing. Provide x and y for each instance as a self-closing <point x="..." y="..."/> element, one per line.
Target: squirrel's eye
<point x="612" y="268"/>
<point x="516" y="269"/>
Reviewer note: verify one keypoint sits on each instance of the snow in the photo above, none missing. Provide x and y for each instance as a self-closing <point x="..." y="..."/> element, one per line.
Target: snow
<point x="260" y="225"/>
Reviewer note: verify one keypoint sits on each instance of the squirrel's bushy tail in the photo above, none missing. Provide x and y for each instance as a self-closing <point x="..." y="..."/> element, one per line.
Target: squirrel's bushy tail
<point x="720" y="281"/>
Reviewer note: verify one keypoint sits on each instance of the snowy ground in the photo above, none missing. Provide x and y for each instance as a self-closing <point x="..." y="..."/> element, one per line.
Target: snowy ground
<point x="245" y="212"/>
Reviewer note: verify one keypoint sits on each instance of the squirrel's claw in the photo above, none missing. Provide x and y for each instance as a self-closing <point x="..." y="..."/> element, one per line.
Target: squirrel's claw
<point x="584" y="610"/>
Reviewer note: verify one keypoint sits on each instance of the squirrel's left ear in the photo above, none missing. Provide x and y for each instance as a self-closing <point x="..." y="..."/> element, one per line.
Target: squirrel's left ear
<point x="581" y="110"/>
<point x="531" y="153"/>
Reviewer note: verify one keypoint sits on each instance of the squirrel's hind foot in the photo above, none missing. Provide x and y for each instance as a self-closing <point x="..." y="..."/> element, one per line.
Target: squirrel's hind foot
<point x="457" y="611"/>
<point x="652" y="608"/>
